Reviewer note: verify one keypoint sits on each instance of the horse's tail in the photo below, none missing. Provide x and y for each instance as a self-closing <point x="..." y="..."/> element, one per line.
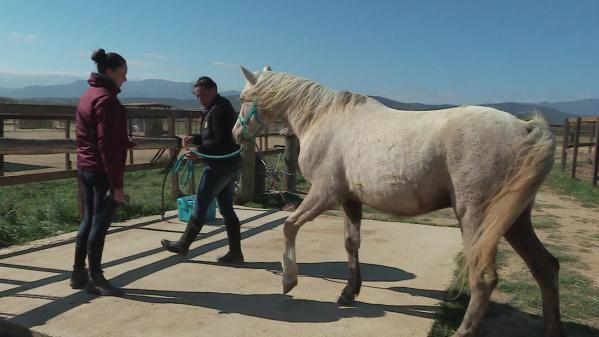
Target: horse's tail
<point x="534" y="157"/>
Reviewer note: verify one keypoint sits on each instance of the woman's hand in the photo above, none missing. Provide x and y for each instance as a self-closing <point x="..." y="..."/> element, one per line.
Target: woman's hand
<point x="119" y="196"/>
<point x="131" y="143"/>
<point x="187" y="141"/>
<point x="191" y="156"/>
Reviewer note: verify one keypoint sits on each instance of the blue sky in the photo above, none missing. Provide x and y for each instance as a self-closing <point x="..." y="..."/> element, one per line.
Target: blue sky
<point x="463" y="52"/>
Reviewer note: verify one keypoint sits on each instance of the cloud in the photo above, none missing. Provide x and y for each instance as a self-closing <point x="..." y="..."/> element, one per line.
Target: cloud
<point x="155" y="56"/>
<point x="225" y="64"/>
<point x="44" y="73"/>
<point x="25" y="38"/>
<point x="148" y="60"/>
<point x="139" y="63"/>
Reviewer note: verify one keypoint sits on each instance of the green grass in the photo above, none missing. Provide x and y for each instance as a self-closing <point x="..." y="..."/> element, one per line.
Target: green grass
<point x="274" y="200"/>
<point x="584" y="191"/>
<point x="561" y="254"/>
<point x="579" y="299"/>
<point x="449" y="316"/>
<point x="34" y="211"/>
<point x="452" y="309"/>
<point x="544" y="222"/>
<point x="554" y="206"/>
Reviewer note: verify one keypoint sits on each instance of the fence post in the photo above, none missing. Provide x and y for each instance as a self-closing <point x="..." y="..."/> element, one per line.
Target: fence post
<point x="565" y="143"/>
<point x="576" y="143"/>
<point x="247" y="181"/>
<point x="191" y="188"/>
<point x="266" y="138"/>
<point x="596" y="155"/>
<point x="67" y="135"/>
<point x="291" y="157"/>
<point x="1" y="155"/>
<point x="591" y="138"/>
<point x="173" y="152"/>
<point x="130" y="126"/>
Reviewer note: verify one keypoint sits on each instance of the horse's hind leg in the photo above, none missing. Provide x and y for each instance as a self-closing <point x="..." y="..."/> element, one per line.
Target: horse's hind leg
<point x="544" y="268"/>
<point x="353" y="216"/>
<point x="482" y="283"/>
<point x="316" y="202"/>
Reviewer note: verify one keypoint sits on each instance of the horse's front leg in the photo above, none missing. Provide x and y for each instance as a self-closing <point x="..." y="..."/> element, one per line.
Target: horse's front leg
<point x="317" y="201"/>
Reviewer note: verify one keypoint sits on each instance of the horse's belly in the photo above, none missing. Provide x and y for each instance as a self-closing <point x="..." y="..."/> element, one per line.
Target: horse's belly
<point x="402" y="197"/>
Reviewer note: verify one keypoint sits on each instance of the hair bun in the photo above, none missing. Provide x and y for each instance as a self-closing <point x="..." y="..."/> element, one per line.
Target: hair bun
<point x="99" y="56"/>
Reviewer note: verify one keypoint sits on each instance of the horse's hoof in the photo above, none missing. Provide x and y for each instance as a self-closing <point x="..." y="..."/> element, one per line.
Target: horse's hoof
<point x="462" y="334"/>
<point x="345" y="299"/>
<point x="289" y="282"/>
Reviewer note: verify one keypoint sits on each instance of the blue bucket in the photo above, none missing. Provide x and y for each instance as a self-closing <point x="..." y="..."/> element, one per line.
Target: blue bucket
<point x="185" y="205"/>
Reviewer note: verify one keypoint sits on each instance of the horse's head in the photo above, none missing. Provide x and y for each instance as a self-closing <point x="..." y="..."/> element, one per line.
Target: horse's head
<point x="251" y="118"/>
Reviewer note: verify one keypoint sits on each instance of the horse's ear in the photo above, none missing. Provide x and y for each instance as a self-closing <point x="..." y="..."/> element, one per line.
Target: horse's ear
<point x="266" y="68"/>
<point x="248" y="76"/>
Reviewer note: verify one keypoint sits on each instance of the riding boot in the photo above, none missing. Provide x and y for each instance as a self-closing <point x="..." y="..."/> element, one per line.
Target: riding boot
<point x="181" y="247"/>
<point x="79" y="275"/>
<point x="234" y="235"/>
<point x="97" y="284"/>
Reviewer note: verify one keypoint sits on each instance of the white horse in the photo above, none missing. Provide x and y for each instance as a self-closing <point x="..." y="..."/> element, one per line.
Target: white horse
<point x="485" y="163"/>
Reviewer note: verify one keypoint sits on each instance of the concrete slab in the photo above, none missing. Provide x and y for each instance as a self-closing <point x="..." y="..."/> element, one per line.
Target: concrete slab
<point x="405" y="269"/>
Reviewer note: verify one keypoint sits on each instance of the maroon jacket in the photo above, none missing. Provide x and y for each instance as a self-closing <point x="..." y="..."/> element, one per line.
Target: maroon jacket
<point x="101" y="128"/>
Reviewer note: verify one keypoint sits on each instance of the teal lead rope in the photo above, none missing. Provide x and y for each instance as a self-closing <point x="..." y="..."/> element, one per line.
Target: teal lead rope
<point x="184" y="168"/>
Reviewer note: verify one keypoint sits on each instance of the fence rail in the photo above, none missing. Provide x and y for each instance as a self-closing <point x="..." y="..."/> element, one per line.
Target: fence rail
<point x="17" y="146"/>
<point x="572" y="130"/>
<point x="161" y="114"/>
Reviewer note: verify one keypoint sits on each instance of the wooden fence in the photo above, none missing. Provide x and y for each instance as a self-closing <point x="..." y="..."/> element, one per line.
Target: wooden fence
<point x="572" y="130"/>
<point x="173" y="117"/>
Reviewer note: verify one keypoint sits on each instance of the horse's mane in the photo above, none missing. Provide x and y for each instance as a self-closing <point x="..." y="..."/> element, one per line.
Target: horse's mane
<point x="305" y="100"/>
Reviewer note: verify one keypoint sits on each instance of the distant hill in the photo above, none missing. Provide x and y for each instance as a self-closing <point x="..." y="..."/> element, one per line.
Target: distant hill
<point x="410" y="106"/>
<point x="520" y="110"/>
<point x="5" y="92"/>
<point x="580" y="107"/>
<point x="523" y="110"/>
<point x="131" y="89"/>
<point x="186" y="104"/>
<point x="178" y="94"/>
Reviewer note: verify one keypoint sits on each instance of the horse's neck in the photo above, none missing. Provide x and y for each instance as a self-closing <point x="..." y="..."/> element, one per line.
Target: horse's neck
<point x="302" y="123"/>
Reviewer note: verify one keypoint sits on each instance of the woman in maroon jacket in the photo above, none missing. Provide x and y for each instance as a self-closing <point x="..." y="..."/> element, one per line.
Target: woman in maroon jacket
<point x="102" y="143"/>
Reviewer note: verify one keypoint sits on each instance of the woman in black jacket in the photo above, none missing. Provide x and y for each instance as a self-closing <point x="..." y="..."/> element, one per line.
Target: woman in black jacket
<point x="220" y="175"/>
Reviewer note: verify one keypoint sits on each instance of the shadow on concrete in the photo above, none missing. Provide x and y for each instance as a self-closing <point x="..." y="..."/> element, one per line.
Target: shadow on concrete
<point x="8" y="329"/>
<point x="276" y="307"/>
<point x="40" y="315"/>
<point x="328" y="270"/>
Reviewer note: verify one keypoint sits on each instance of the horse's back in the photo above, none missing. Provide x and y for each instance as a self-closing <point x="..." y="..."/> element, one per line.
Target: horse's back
<point x="404" y="161"/>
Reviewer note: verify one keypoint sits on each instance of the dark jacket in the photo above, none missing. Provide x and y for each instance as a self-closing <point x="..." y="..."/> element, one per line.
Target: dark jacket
<point x="101" y="128"/>
<point x="217" y="136"/>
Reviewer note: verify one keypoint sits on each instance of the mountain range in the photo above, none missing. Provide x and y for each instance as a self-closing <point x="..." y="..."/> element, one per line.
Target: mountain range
<point x="136" y="89"/>
<point x="178" y="94"/>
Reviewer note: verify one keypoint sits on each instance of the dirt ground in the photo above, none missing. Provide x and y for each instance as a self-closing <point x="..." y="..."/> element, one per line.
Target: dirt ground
<point x="572" y="232"/>
<point x="584" y="167"/>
